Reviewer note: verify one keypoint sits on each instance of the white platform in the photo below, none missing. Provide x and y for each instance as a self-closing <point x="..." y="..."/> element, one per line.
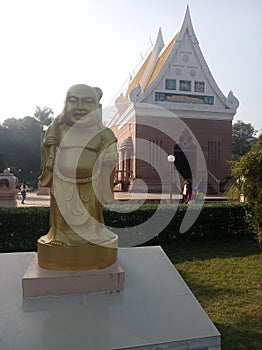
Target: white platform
<point x="156" y="310"/>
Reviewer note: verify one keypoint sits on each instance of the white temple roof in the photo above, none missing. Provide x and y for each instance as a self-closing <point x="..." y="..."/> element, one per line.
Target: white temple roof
<point x="166" y="62"/>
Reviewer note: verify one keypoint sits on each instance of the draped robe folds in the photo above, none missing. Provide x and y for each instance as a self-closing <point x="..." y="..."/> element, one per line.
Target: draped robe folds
<point x="78" y="167"/>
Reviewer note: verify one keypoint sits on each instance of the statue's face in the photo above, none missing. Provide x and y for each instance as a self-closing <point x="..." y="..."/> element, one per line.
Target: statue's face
<point x="80" y="101"/>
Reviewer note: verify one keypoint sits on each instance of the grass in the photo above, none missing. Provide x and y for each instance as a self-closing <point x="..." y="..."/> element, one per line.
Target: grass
<point x="226" y="278"/>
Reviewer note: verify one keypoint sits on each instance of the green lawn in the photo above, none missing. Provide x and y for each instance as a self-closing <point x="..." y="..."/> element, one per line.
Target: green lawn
<point x="226" y="278"/>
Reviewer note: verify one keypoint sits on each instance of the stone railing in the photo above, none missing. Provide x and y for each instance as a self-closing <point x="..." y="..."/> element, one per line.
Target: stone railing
<point x="213" y="181"/>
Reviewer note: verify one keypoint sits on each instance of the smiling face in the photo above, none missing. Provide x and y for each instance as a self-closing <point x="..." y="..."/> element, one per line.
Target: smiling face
<point x="80" y="101"/>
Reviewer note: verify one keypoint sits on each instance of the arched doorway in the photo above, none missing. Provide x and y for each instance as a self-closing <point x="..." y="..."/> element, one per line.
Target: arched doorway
<point x="185" y="153"/>
<point x="182" y="163"/>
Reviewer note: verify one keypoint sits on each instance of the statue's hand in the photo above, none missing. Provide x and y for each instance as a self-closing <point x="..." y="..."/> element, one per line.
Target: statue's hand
<point x="50" y="164"/>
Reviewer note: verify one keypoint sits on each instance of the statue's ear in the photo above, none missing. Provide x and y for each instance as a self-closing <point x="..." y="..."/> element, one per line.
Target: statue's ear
<point x="99" y="93"/>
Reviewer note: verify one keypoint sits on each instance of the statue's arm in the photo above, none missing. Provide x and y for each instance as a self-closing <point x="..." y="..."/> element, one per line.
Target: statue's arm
<point x="48" y="149"/>
<point x="109" y="160"/>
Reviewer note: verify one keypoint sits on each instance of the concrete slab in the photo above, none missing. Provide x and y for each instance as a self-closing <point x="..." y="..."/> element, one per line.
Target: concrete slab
<point x="156" y="310"/>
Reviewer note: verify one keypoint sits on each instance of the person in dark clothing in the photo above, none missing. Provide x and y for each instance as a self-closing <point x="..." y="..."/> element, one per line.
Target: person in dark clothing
<point x="24" y="188"/>
<point x="188" y="192"/>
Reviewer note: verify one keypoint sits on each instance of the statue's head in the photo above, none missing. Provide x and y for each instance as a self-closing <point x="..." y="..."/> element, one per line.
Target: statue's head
<point x="82" y="103"/>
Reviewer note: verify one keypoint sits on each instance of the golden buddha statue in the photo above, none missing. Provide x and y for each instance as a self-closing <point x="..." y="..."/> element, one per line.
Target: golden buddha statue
<point x="79" y="155"/>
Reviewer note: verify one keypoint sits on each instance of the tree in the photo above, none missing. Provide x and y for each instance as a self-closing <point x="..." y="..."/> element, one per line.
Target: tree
<point x="20" y="142"/>
<point x="44" y="115"/>
<point x="3" y="164"/>
<point x="258" y="143"/>
<point x="243" y="136"/>
<point x="247" y="172"/>
<point x="13" y="123"/>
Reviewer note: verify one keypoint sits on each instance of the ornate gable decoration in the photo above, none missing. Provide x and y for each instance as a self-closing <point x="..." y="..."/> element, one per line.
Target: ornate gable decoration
<point x="178" y="76"/>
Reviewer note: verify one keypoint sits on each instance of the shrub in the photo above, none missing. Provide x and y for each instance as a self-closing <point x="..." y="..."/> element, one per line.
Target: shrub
<point x="248" y="174"/>
<point x="21" y="227"/>
<point x="216" y="221"/>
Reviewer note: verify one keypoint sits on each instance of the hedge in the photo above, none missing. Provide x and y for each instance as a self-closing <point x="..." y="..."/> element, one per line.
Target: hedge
<point x="216" y="221"/>
<point x="21" y="227"/>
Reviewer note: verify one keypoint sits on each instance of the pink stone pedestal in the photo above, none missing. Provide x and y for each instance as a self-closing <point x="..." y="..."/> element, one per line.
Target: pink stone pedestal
<point x="41" y="282"/>
<point x="43" y="191"/>
<point x="8" y="192"/>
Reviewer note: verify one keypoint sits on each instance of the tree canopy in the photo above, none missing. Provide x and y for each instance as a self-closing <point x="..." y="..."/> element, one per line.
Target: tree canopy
<point x="247" y="172"/>
<point x="20" y="141"/>
<point x="243" y="136"/>
<point x="3" y="163"/>
<point x="44" y="115"/>
<point x="258" y="143"/>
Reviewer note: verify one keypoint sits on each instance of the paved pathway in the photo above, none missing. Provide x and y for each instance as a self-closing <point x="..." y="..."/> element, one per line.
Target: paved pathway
<point x="34" y="200"/>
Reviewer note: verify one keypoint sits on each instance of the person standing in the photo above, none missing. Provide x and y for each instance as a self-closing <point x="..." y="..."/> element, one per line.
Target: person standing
<point x="184" y="192"/>
<point x="189" y="192"/>
<point x="24" y="188"/>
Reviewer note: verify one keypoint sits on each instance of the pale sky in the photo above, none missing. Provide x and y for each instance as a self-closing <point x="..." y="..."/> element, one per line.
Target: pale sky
<point x="49" y="45"/>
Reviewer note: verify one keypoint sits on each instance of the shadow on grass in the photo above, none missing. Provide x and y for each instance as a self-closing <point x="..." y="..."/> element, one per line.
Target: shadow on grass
<point x="238" y="338"/>
<point x="209" y="293"/>
<point x="190" y="250"/>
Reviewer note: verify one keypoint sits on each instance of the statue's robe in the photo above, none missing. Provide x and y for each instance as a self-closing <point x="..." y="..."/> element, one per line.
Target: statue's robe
<point x="79" y="169"/>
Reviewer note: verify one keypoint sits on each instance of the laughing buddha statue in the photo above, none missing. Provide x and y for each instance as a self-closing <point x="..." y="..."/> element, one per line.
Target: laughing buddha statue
<point x="79" y="155"/>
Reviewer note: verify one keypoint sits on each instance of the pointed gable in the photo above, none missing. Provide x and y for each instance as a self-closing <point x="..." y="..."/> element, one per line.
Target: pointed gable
<point x="136" y="80"/>
<point x="179" y="77"/>
<point x="161" y="61"/>
<point x="143" y="75"/>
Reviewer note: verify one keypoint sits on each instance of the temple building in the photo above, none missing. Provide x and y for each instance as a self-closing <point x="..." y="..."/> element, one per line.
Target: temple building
<point x="173" y="106"/>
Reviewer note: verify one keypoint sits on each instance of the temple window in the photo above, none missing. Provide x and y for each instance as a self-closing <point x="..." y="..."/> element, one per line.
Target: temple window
<point x="185" y="85"/>
<point x="199" y="86"/>
<point x="154" y="151"/>
<point x="213" y="153"/>
<point x="170" y="84"/>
